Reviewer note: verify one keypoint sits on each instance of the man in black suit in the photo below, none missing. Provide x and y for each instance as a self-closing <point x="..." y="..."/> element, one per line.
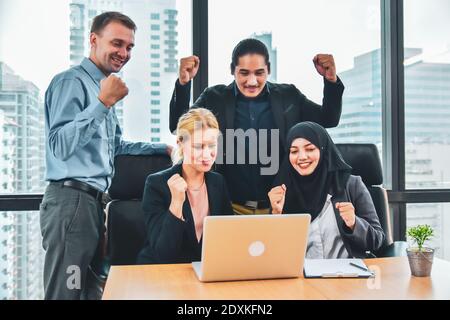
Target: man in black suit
<point x="264" y="110"/>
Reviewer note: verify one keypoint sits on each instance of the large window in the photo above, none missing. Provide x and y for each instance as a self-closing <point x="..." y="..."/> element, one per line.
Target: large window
<point x="427" y="94"/>
<point x="294" y="32"/>
<point x="35" y="47"/>
<point x="437" y="216"/>
<point x="427" y="114"/>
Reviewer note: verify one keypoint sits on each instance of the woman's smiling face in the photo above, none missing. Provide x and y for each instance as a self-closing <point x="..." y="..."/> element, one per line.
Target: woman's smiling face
<point x="304" y="156"/>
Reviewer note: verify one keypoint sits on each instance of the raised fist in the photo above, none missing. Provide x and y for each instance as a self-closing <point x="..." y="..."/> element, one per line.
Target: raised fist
<point x="112" y="89"/>
<point x="325" y="66"/>
<point x="188" y="69"/>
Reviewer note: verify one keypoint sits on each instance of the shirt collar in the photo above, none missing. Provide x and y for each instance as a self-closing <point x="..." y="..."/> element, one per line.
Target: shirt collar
<point x="92" y="70"/>
<point x="237" y="93"/>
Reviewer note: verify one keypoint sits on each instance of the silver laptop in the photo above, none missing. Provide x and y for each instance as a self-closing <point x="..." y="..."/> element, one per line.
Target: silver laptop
<point x="253" y="247"/>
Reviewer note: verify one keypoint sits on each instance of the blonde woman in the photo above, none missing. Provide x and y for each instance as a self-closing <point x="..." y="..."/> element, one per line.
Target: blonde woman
<point x="177" y="200"/>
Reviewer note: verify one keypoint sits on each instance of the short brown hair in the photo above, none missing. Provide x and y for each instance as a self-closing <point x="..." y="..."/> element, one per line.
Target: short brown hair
<point x="102" y="20"/>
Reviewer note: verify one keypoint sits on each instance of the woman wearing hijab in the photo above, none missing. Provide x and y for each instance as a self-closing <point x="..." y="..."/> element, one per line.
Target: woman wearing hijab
<point x="315" y="179"/>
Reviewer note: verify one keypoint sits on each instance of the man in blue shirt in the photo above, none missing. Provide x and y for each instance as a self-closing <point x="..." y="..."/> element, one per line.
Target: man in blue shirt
<point x="83" y="137"/>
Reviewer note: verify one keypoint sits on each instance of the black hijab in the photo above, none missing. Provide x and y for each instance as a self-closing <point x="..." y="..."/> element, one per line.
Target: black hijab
<point x="307" y="194"/>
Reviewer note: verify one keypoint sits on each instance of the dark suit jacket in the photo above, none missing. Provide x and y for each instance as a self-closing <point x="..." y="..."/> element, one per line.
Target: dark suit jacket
<point x="169" y="239"/>
<point x="289" y="107"/>
<point x="368" y="235"/>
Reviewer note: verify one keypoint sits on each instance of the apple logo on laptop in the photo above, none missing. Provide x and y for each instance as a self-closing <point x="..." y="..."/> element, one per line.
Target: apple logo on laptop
<point x="256" y="248"/>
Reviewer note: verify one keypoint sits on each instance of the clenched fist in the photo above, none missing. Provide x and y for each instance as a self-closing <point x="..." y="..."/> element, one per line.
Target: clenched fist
<point x="188" y="69"/>
<point x="178" y="187"/>
<point x="277" y="196"/>
<point x="325" y="66"/>
<point x="347" y="212"/>
<point x="112" y="89"/>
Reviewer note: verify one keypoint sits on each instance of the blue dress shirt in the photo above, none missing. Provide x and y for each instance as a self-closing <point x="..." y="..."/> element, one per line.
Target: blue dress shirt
<point x="83" y="136"/>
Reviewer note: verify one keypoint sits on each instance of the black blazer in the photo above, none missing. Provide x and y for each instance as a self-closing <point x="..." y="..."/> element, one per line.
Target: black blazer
<point x="289" y="106"/>
<point x="169" y="239"/>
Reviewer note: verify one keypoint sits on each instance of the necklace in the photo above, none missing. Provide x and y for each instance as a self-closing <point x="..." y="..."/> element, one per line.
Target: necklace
<point x="199" y="187"/>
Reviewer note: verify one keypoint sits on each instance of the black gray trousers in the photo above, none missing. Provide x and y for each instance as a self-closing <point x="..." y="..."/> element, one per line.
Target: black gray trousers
<point x="73" y="227"/>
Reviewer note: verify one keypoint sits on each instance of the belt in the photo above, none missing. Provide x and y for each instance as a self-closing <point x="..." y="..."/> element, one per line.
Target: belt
<point x="74" y="184"/>
<point x="261" y="204"/>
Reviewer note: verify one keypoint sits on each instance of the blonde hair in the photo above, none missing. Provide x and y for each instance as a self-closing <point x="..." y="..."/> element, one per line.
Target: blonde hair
<point x="195" y="118"/>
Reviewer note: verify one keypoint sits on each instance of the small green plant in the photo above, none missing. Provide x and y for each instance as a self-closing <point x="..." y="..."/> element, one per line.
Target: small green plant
<point x="420" y="233"/>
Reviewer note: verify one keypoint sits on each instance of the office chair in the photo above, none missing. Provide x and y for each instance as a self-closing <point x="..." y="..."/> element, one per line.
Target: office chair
<point x="125" y="226"/>
<point x="125" y="220"/>
<point x="365" y="161"/>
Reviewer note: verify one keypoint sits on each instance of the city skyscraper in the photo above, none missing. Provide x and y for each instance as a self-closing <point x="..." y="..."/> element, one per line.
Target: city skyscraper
<point x="7" y="258"/>
<point x="7" y="143"/>
<point x="152" y="71"/>
<point x="20" y="103"/>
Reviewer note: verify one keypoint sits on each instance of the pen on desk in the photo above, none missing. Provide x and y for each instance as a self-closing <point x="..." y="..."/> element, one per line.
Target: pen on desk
<point x="359" y="267"/>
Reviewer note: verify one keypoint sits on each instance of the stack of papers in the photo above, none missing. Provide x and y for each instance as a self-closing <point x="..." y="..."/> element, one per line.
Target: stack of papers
<point x="336" y="268"/>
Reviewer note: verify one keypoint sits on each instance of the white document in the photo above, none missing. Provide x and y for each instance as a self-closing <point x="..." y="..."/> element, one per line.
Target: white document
<point x="336" y="268"/>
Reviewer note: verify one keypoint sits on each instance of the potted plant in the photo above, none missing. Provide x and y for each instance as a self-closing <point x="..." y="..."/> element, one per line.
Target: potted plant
<point x="420" y="258"/>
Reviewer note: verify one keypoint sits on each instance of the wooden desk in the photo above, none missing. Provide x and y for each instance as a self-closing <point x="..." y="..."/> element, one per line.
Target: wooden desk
<point x="178" y="281"/>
